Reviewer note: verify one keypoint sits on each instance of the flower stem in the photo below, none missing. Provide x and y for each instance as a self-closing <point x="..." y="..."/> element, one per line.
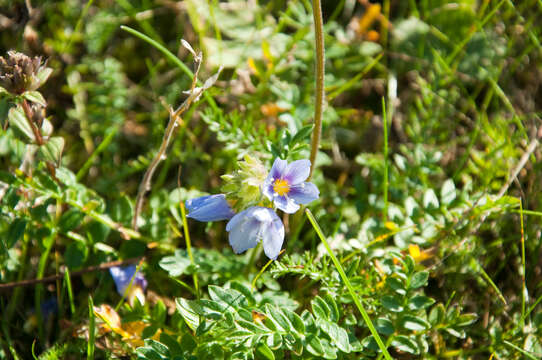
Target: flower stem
<point x="320" y="70"/>
<point x="355" y="297"/>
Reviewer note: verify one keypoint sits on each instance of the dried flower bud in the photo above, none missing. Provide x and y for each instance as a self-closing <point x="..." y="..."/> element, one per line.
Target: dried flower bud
<point x="20" y="73"/>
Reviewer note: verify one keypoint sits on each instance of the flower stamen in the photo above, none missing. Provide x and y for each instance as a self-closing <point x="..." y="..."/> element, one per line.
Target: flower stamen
<point x="281" y="187"/>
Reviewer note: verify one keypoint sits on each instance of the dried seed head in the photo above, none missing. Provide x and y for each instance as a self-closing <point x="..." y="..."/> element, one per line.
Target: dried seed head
<point x="20" y="73"/>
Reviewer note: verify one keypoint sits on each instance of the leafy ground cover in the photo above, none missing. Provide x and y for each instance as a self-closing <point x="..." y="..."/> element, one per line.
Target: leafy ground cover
<point x="425" y="237"/>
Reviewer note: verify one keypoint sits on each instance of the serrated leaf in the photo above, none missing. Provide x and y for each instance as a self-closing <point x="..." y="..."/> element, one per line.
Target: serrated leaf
<point x="19" y="123"/>
<point x="405" y="344"/>
<point x="35" y="97"/>
<point x="419" y="279"/>
<point x="52" y="150"/>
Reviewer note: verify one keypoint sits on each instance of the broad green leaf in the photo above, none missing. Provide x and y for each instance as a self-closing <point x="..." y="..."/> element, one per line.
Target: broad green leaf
<point x="70" y="220"/>
<point x="175" y="265"/>
<point x="15" y="232"/>
<point x="405" y="344"/>
<point x="19" y="123"/>
<point x="35" y="97"/>
<point x="320" y="308"/>
<point x="338" y="335"/>
<point x="419" y="279"/>
<point x="314" y="345"/>
<point x="264" y="352"/>
<point x="447" y="192"/>
<point x="384" y="326"/>
<point x="466" y="319"/>
<point x="430" y="200"/>
<point x="52" y="150"/>
<point x="295" y="320"/>
<point x="414" y="323"/>
<point x="76" y="254"/>
<point x="231" y="297"/>
<point x="396" y="285"/>
<point x="278" y="317"/>
<point x="437" y="314"/>
<point x="420" y="302"/>
<point x="391" y="303"/>
<point x="187" y="312"/>
<point x="333" y="308"/>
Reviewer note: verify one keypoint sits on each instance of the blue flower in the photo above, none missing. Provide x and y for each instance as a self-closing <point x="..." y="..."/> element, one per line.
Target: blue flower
<point x="209" y="208"/>
<point x="285" y="185"/>
<point x="253" y="225"/>
<point x="123" y="276"/>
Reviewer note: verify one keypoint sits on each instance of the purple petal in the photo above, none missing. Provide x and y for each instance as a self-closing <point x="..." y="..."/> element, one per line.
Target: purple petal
<point x="267" y="189"/>
<point x="277" y="170"/>
<point x="244" y="231"/>
<point x="273" y="238"/>
<point x="298" y="171"/>
<point x="123" y="275"/>
<point x="286" y="204"/>
<point x="304" y="193"/>
<point x="209" y="208"/>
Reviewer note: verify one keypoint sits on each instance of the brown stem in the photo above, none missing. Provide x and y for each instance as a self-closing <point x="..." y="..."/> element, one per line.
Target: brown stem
<point x="29" y="115"/>
<point x="174" y="117"/>
<point x="320" y="92"/>
<point x="101" y="267"/>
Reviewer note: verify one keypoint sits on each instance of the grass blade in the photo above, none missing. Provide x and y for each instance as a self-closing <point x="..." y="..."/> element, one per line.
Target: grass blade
<point x="355" y="297"/>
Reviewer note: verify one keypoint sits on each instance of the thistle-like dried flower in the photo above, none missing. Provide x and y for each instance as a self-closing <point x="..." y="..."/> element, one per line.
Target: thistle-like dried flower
<point x="20" y="73"/>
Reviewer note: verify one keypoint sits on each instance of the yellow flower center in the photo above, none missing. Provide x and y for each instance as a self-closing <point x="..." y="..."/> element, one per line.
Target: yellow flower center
<point x="281" y="187"/>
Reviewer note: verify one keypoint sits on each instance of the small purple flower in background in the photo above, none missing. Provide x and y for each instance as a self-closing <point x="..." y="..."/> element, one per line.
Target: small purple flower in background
<point x="123" y="276"/>
<point x="209" y="208"/>
<point x="286" y="187"/>
<point x="253" y="225"/>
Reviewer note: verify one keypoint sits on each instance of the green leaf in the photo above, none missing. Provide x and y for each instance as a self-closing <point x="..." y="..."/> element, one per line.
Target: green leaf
<point x="396" y="285"/>
<point x="264" y="352"/>
<point x="437" y="314"/>
<point x="19" y="123"/>
<point x="447" y="192"/>
<point x="333" y="308"/>
<point x="70" y="220"/>
<point x="175" y="265"/>
<point x="122" y="210"/>
<point x="35" y="97"/>
<point x="337" y="334"/>
<point x="320" y="308"/>
<point x="391" y="303"/>
<point x="52" y="149"/>
<point x="430" y="200"/>
<point x="302" y="134"/>
<point x="232" y="298"/>
<point x="405" y="344"/>
<point x="384" y="326"/>
<point x="15" y="231"/>
<point x="76" y="255"/>
<point x="414" y="323"/>
<point x="187" y="312"/>
<point x="419" y="279"/>
<point x="419" y="302"/>
<point x="278" y="317"/>
<point x="44" y="74"/>
<point x="466" y="319"/>
<point x="314" y="345"/>
<point x="295" y="320"/>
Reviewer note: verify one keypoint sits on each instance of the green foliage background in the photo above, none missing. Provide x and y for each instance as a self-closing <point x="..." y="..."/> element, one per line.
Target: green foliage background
<point x="460" y="82"/>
